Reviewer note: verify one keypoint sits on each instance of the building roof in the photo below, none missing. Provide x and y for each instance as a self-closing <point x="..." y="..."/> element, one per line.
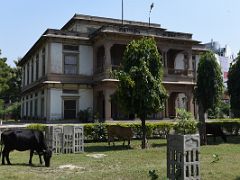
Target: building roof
<point x="106" y="21"/>
<point x="53" y="33"/>
<point x="108" y="25"/>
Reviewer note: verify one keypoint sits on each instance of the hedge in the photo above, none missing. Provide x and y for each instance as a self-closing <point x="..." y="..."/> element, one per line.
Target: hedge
<point x="230" y="126"/>
<point x="40" y="127"/>
<point x="98" y="132"/>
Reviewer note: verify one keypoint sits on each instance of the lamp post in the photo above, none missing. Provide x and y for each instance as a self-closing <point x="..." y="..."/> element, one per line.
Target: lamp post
<point x="149" y="19"/>
<point x="122" y="12"/>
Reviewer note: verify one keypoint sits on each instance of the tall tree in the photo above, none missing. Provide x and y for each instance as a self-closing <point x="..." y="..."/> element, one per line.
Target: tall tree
<point x="140" y="90"/>
<point x="4" y="76"/>
<point x="234" y="86"/>
<point x="10" y="88"/>
<point x="209" y="89"/>
<point x="14" y="83"/>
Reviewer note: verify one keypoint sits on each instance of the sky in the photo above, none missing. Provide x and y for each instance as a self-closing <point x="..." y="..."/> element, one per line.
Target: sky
<point x="22" y="22"/>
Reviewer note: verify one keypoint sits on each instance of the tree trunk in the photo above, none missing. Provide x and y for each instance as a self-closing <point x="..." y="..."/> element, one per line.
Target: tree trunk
<point x="144" y="136"/>
<point x="202" y="125"/>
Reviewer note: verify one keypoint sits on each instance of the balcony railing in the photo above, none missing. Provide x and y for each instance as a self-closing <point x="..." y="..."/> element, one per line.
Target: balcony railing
<point x="167" y="71"/>
<point x="183" y="72"/>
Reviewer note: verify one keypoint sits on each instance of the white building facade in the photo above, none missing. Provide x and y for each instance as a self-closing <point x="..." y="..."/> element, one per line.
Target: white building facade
<point x="67" y="70"/>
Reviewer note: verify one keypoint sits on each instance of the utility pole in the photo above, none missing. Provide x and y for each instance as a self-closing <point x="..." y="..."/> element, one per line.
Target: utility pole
<point x="122" y="12"/>
<point x="149" y="19"/>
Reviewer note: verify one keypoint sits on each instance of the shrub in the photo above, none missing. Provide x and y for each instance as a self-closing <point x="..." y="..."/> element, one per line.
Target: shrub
<point x="98" y="131"/>
<point x="95" y="132"/>
<point x="231" y="126"/>
<point x="185" y="123"/>
<point x="40" y="127"/>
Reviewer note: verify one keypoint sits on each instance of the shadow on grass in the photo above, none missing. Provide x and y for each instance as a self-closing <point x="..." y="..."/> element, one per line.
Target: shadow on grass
<point x="156" y="145"/>
<point x="230" y="140"/>
<point x="98" y="148"/>
<point x="237" y="178"/>
<point x="24" y="164"/>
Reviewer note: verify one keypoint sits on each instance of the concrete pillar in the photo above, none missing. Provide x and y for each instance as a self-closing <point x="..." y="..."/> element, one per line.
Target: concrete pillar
<point x="95" y="48"/>
<point x="165" y="60"/>
<point x="108" y="105"/>
<point x="190" y="102"/>
<point x="107" y="63"/>
<point x="48" y="55"/>
<point x="26" y="69"/>
<point x="30" y="71"/>
<point x="47" y="102"/>
<point x="190" y="67"/>
<point x="166" y="109"/>
<point x="23" y="76"/>
<point x="46" y="58"/>
<point x="34" y="69"/>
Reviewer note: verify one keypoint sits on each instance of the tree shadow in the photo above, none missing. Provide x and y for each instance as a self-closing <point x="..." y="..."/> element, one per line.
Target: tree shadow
<point x="214" y="141"/>
<point x="230" y="140"/>
<point x="24" y="164"/>
<point x="156" y="145"/>
<point x="98" y="148"/>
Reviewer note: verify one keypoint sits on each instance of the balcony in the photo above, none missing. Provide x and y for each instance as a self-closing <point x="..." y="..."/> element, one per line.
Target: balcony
<point x="182" y="72"/>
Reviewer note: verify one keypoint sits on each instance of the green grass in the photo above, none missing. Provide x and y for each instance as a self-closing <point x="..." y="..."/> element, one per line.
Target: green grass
<point x="123" y="163"/>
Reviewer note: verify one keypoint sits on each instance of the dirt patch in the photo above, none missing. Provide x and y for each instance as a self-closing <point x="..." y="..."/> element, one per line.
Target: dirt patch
<point x="96" y="155"/>
<point x="71" y="167"/>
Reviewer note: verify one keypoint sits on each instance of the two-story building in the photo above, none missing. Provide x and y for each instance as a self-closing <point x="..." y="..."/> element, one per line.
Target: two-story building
<point x="67" y="70"/>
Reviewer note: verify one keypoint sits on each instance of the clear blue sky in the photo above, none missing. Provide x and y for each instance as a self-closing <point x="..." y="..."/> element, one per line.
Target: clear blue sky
<point x="23" y="21"/>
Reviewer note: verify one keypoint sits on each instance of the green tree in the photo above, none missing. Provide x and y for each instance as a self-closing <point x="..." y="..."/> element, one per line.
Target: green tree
<point x="234" y="86"/>
<point x="140" y="90"/>
<point x="10" y="88"/>
<point x="209" y="89"/>
<point x="14" y="83"/>
<point x="4" y="76"/>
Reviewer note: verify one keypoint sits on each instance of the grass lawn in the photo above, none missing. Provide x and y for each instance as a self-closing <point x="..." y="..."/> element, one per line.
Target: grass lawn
<point x="123" y="163"/>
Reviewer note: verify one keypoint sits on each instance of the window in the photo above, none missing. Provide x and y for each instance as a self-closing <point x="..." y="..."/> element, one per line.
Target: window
<point x="70" y="64"/>
<point x="31" y="108"/>
<point x="70" y="107"/>
<point x="43" y="62"/>
<point x="27" y="108"/>
<point x="35" y="107"/>
<point x="37" y="65"/>
<point x="42" y="107"/>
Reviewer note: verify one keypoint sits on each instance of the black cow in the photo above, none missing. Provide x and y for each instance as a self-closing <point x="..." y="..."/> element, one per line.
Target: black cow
<point x="215" y="130"/>
<point x="22" y="140"/>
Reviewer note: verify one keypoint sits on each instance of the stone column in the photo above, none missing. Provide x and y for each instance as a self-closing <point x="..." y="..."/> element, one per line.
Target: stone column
<point x="48" y="59"/>
<point x="107" y="63"/>
<point x="108" y="105"/>
<point x="190" y="102"/>
<point x="23" y="76"/>
<point x="164" y="56"/>
<point x="94" y="59"/>
<point x="34" y="71"/>
<point x="47" y="102"/>
<point x="190" y="67"/>
<point x="166" y="109"/>
<point x="30" y="71"/>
